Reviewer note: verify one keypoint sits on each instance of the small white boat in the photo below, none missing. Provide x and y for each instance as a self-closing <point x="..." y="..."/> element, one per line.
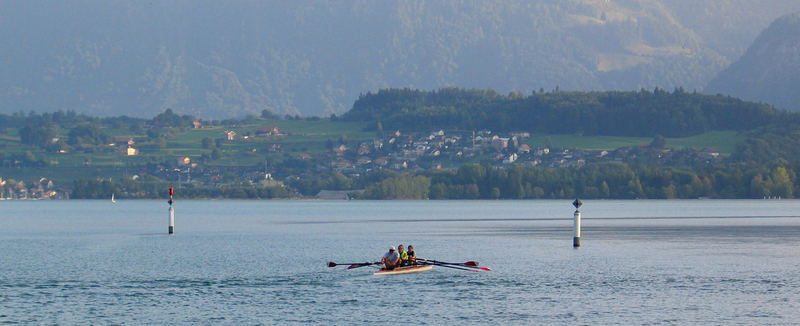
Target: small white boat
<point x="112" y="199"/>
<point x="404" y="270"/>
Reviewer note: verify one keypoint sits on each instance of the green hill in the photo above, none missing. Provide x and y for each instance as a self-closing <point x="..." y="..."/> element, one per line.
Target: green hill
<point x="631" y="114"/>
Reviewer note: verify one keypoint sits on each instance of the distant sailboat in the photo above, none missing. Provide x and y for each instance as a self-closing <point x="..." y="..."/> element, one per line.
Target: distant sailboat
<point x="112" y="199"/>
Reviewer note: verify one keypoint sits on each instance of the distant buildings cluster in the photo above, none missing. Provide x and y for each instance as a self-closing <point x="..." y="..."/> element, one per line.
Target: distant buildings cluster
<point x="37" y="189"/>
<point x="416" y="151"/>
<point x="438" y="149"/>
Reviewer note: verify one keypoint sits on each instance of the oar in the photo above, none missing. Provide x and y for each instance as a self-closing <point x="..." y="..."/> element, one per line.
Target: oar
<point x="470" y="264"/>
<point x="450" y="266"/>
<point x="352" y="265"/>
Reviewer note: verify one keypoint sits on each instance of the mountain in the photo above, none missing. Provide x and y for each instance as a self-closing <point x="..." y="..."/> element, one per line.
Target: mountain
<point x="770" y="69"/>
<point x="220" y="59"/>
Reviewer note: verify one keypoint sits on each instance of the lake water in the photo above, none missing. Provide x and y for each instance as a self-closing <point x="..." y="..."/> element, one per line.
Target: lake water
<point x="264" y="262"/>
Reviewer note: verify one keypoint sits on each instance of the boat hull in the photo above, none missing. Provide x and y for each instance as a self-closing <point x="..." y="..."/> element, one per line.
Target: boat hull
<point x="405" y="270"/>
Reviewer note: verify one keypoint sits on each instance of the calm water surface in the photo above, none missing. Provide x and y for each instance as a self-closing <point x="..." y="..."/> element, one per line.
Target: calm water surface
<point x="264" y="262"/>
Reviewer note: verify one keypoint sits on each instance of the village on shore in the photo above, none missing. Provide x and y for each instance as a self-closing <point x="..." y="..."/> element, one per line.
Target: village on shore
<point x="398" y="151"/>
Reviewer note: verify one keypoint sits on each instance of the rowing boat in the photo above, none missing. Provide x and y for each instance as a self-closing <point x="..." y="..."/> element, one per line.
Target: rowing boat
<point x="404" y="270"/>
<point x="425" y="265"/>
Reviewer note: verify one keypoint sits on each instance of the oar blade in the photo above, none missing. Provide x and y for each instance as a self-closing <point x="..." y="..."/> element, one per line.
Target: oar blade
<point x="472" y="265"/>
<point x="331" y="264"/>
<point x="475" y="264"/>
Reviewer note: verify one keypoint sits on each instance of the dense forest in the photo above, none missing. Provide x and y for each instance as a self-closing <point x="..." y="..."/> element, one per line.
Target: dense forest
<point x="598" y="181"/>
<point x="768" y="143"/>
<point x="643" y="113"/>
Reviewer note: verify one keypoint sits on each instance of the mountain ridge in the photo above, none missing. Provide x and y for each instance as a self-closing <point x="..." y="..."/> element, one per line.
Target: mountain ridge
<point x="304" y="57"/>
<point x="770" y="69"/>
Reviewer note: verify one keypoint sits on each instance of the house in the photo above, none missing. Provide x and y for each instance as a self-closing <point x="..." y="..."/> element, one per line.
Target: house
<point x="709" y="153"/>
<point x="400" y="166"/>
<point x="407" y="155"/>
<point x="438" y="141"/>
<point x="124" y="141"/>
<point x="543" y="151"/>
<point x="364" y="149"/>
<point x="377" y="144"/>
<point x="130" y="151"/>
<point x="420" y="148"/>
<point x="405" y="141"/>
<point x="363" y="160"/>
<point x="342" y="165"/>
<point x="268" y="131"/>
<point x="436" y="135"/>
<point x="339" y="151"/>
<point x="499" y="143"/>
<point x="184" y="161"/>
<point x="197" y="124"/>
<point x="48" y="184"/>
<point x="230" y="134"/>
<point x="524" y="149"/>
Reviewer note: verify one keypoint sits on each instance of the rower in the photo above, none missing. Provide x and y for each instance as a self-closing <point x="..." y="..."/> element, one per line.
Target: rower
<point x="390" y="259"/>
<point x="403" y="255"/>
<point x="412" y="258"/>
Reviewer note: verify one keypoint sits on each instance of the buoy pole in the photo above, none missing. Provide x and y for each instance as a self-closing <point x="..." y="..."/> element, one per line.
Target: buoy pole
<point x="171" y="213"/>
<point x="576" y="239"/>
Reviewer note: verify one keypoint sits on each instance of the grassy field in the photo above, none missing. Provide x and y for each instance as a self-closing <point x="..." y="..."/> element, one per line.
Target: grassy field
<point x="723" y="141"/>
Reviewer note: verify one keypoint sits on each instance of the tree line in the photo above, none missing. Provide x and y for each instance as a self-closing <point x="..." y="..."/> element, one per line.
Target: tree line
<point x="641" y="113"/>
<point x="596" y="181"/>
<point x="154" y="188"/>
<point x="476" y="181"/>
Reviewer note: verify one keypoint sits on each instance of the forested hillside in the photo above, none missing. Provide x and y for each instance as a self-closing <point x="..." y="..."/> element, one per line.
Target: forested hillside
<point x="223" y="59"/>
<point x="642" y="113"/>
